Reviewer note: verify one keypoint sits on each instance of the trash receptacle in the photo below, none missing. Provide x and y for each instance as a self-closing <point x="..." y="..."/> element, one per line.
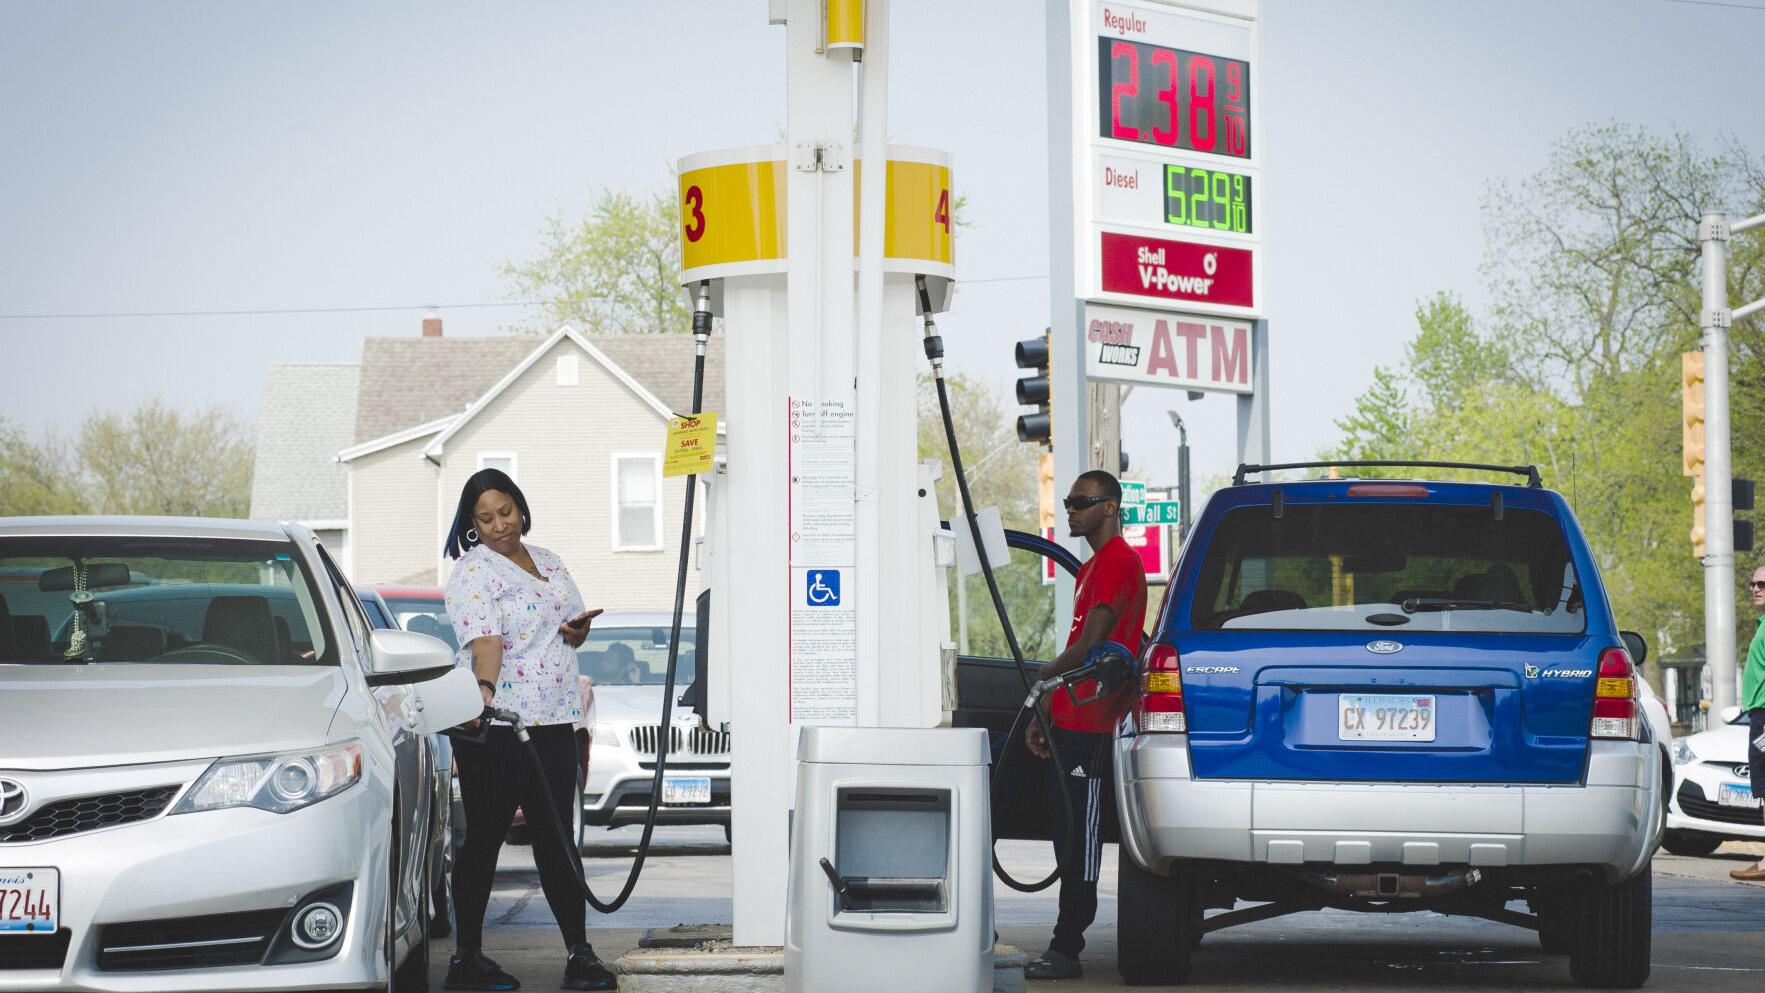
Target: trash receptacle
<point x="890" y="884"/>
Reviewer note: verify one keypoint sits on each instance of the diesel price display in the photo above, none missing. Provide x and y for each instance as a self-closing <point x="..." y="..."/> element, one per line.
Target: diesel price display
<point x="1170" y="97"/>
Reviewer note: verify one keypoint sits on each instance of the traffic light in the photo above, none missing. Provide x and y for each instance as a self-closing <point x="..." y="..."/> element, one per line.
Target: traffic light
<point x="1691" y="406"/>
<point x="1033" y="390"/>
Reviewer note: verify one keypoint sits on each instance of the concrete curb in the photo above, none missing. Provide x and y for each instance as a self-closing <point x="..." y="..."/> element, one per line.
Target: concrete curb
<point x="717" y="966"/>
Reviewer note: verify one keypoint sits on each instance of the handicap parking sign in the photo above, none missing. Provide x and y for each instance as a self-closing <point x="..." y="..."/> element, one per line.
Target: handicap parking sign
<point x="822" y="588"/>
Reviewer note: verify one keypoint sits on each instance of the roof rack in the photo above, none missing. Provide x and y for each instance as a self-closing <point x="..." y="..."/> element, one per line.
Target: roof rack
<point x="1529" y="471"/>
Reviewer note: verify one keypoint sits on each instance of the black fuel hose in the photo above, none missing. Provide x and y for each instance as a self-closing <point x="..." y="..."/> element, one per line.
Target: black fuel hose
<point x="550" y="812"/>
<point x="934" y="351"/>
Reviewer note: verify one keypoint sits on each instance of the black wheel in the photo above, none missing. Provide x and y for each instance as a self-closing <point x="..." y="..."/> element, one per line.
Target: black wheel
<point x="1613" y="925"/>
<point x="440" y="896"/>
<point x="1689" y="842"/>
<point x="1556" y="922"/>
<point x="1158" y="924"/>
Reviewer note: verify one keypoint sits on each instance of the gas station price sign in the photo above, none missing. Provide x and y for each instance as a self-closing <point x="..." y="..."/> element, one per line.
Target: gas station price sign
<point x="1203" y="198"/>
<point x="1166" y="96"/>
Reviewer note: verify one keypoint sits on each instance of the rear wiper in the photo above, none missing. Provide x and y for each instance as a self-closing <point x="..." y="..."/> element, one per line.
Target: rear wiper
<point x="1419" y="603"/>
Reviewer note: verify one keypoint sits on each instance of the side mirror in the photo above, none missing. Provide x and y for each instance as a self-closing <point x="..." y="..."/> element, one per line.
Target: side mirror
<point x="449" y="701"/>
<point x="1635" y="645"/>
<point x="398" y="658"/>
<point x="1728" y="714"/>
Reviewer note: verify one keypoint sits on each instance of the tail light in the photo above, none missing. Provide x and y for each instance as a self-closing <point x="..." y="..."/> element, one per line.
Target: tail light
<point x="1160" y="707"/>
<point x="1614" y="698"/>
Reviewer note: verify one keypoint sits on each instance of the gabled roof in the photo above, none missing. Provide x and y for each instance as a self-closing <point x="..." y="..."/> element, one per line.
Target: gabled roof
<point x="410" y="381"/>
<point x="646" y="348"/>
<point x="407" y="382"/>
<point x="309" y="413"/>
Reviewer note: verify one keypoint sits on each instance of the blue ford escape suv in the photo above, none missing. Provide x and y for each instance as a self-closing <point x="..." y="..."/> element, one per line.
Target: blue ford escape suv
<point x="1380" y="695"/>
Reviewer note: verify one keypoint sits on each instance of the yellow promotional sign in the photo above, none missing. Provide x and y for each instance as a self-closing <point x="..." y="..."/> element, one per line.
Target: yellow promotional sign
<point x="732" y="213"/>
<point x="691" y="445"/>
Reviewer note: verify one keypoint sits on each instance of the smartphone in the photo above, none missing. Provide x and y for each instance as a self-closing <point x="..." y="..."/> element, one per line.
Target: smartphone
<point x="587" y="615"/>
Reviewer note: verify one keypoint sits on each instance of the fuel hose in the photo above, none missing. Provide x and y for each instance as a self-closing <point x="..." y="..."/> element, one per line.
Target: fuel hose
<point x="934" y="351"/>
<point x="549" y="812"/>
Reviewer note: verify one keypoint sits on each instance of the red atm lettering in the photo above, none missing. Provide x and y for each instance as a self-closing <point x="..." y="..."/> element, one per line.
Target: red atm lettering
<point x="1229" y="349"/>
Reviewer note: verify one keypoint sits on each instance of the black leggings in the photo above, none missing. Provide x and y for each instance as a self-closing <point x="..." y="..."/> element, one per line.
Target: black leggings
<point x="495" y="778"/>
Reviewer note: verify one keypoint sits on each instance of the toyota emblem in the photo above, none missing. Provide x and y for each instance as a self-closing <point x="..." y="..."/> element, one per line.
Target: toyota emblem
<point x="1384" y="647"/>
<point x="12" y="800"/>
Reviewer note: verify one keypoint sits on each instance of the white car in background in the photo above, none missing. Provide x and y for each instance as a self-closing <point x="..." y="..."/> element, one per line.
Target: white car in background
<point x="1713" y="798"/>
<point x="624" y="663"/>
<point x="213" y="774"/>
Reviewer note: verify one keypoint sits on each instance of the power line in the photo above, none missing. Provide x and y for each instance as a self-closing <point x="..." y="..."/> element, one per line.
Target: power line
<point x="266" y="312"/>
<point x="1719" y="3"/>
<point x="273" y="311"/>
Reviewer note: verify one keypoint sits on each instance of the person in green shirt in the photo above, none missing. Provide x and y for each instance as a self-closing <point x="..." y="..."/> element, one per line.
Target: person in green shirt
<point x="1752" y="701"/>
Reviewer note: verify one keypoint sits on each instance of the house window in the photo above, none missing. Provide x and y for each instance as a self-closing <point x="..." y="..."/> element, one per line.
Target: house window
<point x="498" y="460"/>
<point x="568" y="373"/>
<point x="637" y="504"/>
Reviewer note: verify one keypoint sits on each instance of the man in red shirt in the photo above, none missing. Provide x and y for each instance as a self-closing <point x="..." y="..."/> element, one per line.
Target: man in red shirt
<point x="1109" y="604"/>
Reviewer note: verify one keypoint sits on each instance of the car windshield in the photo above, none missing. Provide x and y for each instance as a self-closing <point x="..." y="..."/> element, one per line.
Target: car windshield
<point x="204" y="601"/>
<point x="424" y="616"/>
<point x="634" y="656"/>
<point x="1429" y="567"/>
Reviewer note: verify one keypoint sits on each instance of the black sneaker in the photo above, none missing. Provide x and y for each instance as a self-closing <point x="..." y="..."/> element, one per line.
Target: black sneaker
<point x="585" y="971"/>
<point x="1053" y="965"/>
<point x="471" y="969"/>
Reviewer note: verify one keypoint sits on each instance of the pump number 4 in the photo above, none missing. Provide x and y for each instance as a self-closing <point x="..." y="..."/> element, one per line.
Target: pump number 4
<point x="941" y="213"/>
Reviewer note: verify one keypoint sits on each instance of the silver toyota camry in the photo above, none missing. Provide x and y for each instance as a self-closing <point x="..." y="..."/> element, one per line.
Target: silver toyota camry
<point x="211" y="770"/>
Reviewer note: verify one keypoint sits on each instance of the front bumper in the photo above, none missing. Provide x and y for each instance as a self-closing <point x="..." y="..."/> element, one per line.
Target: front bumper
<point x="1612" y="821"/>
<point x="1695" y="806"/>
<point x="235" y="861"/>
<point x="619" y="782"/>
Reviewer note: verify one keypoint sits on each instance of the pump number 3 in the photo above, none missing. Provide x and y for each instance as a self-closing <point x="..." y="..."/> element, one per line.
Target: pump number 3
<point x="695" y="203"/>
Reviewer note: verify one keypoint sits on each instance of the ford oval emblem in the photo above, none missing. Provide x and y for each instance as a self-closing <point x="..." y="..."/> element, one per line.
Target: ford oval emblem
<point x="1383" y="647"/>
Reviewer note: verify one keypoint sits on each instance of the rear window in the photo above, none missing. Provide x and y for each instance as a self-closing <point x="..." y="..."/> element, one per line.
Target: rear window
<point x="1413" y="567"/>
<point x="424" y="616"/>
<point x="191" y="601"/>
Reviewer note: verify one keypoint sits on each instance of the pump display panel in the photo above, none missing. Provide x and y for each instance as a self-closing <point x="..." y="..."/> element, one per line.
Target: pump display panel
<point x="1178" y="99"/>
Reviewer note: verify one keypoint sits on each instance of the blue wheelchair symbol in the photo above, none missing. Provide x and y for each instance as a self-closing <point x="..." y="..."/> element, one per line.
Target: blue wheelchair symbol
<point x="823" y="588"/>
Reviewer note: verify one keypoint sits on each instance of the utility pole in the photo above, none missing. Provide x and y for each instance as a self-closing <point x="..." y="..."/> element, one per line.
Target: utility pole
<point x="1714" y="230"/>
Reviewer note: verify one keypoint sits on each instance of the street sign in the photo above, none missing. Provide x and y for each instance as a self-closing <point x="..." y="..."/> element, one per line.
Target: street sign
<point x="1133" y="494"/>
<point x="1153" y="512"/>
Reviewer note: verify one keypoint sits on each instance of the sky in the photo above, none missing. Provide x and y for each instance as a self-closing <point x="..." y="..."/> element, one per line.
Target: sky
<point x="348" y="166"/>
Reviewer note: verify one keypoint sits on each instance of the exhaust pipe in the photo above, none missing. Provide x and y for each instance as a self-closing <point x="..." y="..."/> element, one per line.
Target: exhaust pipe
<point x="1394" y="885"/>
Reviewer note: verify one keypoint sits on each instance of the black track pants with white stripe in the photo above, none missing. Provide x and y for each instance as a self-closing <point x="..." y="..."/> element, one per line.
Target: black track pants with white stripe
<point x="1086" y="780"/>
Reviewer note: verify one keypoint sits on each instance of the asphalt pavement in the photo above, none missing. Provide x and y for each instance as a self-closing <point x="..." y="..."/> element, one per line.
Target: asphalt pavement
<point x="1709" y="930"/>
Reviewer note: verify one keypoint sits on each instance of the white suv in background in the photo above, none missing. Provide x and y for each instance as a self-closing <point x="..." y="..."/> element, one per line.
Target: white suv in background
<point x="625" y="662"/>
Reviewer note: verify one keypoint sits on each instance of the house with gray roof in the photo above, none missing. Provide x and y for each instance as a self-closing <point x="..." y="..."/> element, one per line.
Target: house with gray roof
<point x="578" y="422"/>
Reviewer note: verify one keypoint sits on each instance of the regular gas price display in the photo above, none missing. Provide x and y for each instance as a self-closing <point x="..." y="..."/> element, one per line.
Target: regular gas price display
<point x="1173" y="98"/>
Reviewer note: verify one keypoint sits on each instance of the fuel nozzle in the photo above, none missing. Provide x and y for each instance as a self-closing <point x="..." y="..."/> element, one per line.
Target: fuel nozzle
<point x="1108" y="663"/>
<point x="934" y="342"/>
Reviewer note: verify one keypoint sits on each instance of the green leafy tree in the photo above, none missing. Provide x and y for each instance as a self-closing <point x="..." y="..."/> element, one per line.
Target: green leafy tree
<point x="615" y="271"/>
<point x="35" y="478"/>
<point x="158" y="460"/>
<point x="1592" y="266"/>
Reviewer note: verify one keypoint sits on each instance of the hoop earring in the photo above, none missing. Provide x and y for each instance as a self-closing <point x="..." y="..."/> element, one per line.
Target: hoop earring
<point x="471" y="536"/>
<point x="524" y="521"/>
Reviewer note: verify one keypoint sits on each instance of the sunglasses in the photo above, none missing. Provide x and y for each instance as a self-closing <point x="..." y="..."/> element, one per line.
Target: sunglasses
<point x="1084" y="503"/>
<point x="1757" y="585"/>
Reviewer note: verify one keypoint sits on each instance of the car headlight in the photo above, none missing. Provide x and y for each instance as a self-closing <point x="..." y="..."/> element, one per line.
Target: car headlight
<point x="605" y="736"/>
<point x="276" y="783"/>
<point x="1682" y="753"/>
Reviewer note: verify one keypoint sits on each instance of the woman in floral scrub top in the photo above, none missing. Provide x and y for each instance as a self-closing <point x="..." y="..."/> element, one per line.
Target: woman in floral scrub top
<point x="519" y="619"/>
